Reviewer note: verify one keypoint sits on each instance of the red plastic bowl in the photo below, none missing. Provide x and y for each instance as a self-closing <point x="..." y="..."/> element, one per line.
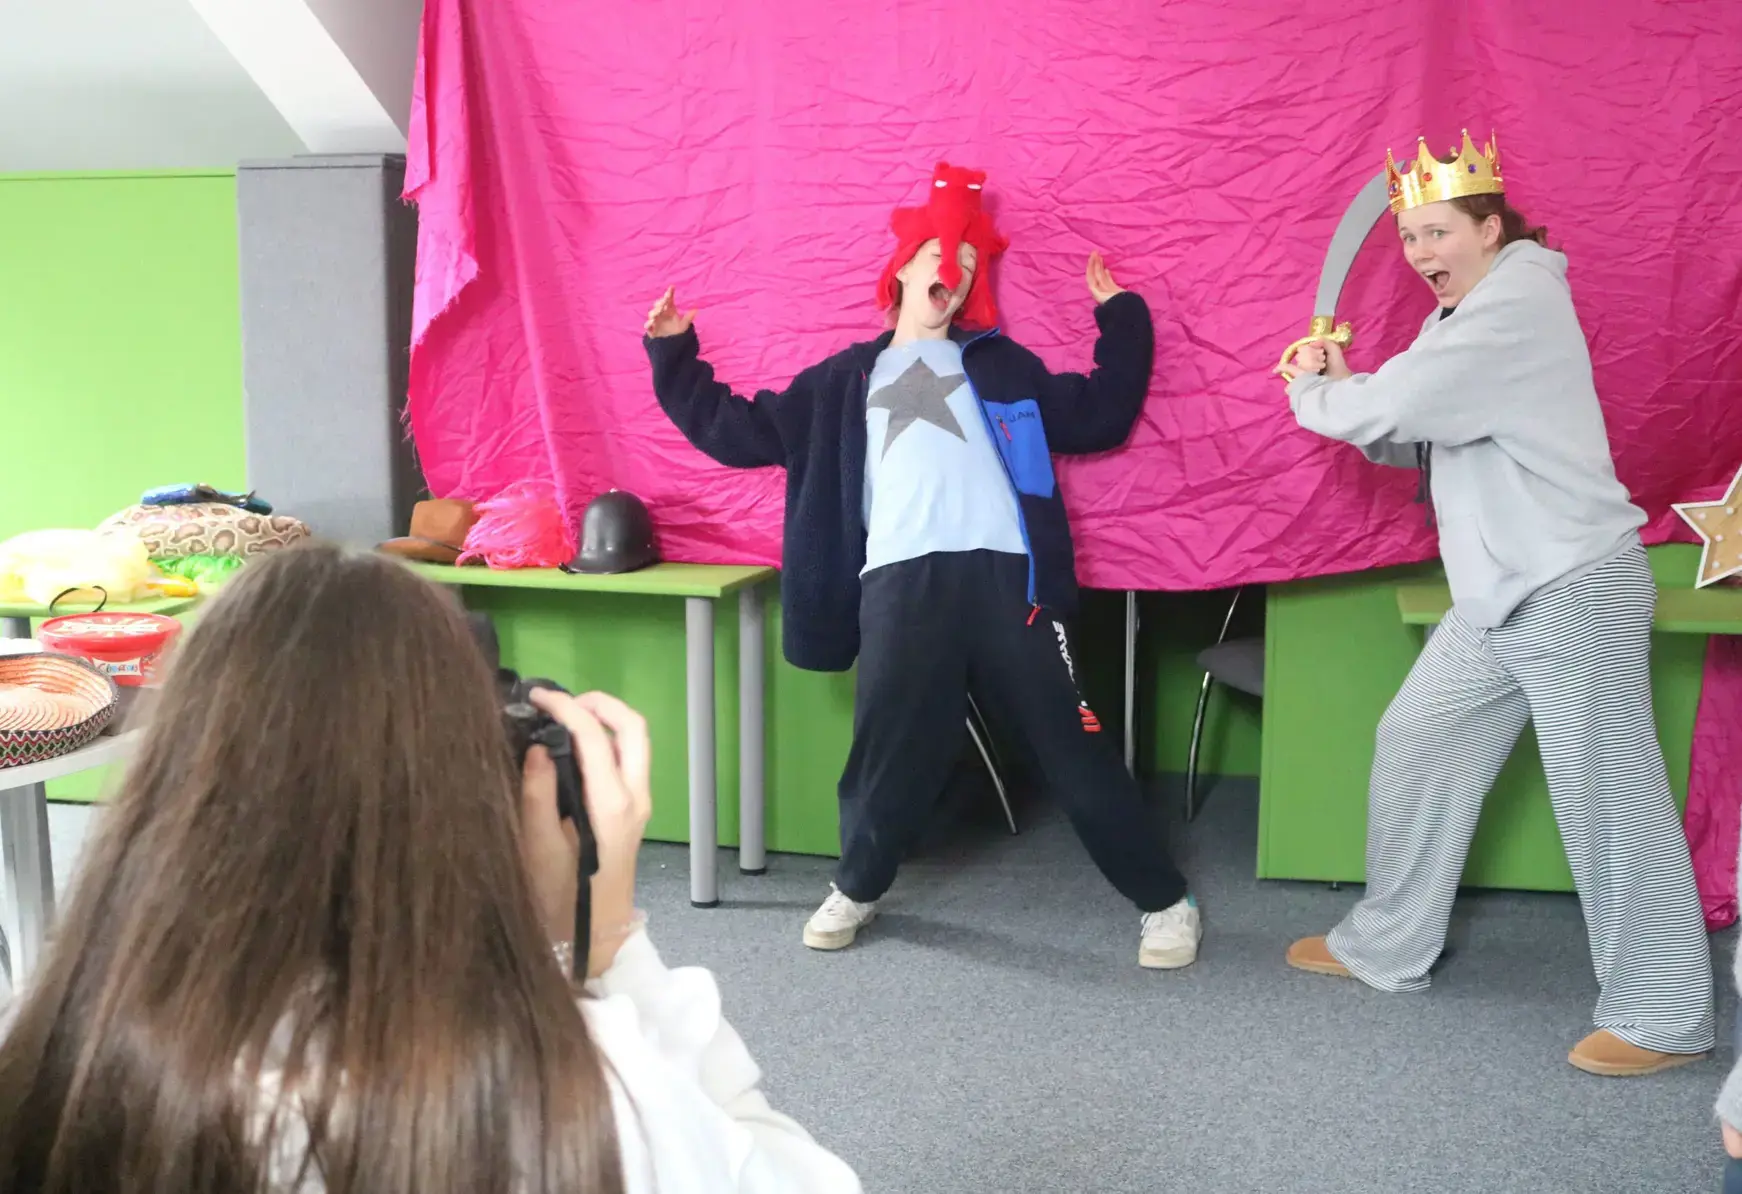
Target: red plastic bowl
<point x="128" y="647"/>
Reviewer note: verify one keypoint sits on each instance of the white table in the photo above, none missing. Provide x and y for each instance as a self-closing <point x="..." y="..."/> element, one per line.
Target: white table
<point x="29" y="869"/>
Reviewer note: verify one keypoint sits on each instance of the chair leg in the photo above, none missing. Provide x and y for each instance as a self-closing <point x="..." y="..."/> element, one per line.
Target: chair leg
<point x="1228" y="618"/>
<point x="988" y="747"/>
<point x="1132" y="625"/>
<point x="1203" y="704"/>
<point x="1192" y="756"/>
<point x="983" y="745"/>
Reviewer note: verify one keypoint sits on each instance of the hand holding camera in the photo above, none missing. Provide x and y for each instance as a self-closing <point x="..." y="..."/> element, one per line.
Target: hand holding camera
<point x="585" y="799"/>
<point x="615" y="761"/>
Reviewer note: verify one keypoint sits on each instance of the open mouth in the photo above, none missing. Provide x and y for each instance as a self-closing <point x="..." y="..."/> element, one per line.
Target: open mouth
<point x="940" y="296"/>
<point x="1438" y="279"/>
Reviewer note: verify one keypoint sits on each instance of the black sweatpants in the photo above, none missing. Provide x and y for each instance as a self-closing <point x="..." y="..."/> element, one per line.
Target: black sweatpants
<point x="932" y="629"/>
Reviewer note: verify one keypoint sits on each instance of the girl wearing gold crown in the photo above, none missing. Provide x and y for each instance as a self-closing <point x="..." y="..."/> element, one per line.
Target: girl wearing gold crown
<point x="1551" y="624"/>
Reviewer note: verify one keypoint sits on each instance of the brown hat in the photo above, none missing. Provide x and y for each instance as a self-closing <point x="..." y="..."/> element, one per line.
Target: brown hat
<point x="438" y="531"/>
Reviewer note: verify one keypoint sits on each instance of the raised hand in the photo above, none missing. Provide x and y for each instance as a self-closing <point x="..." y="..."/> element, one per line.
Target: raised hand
<point x="1100" y="279"/>
<point x="664" y="320"/>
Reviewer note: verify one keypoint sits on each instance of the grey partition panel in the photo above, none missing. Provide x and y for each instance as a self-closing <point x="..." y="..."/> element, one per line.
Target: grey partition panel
<point x="327" y="258"/>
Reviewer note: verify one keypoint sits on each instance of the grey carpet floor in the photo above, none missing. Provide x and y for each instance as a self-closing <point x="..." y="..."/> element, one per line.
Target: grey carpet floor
<point x="993" y="1032"/>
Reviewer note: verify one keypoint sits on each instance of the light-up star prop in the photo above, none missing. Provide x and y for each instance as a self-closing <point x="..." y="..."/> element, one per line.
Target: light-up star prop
<point x="1719" y="526"/>
<point x="917" y="396"/>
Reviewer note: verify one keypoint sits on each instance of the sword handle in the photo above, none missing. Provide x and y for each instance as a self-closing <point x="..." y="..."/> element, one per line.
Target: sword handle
<point x="1324" y="327"/>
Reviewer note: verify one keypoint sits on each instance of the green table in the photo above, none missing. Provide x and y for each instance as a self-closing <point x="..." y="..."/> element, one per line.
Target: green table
<point x="1337" y="648"/>
<point x="700" y="585"/>
<point x="1680" y="610"/>
<point x="15" y="619"/>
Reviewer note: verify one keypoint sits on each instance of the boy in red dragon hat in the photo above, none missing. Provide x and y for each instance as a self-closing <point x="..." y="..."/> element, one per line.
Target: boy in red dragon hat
<point x="926" y="538"/>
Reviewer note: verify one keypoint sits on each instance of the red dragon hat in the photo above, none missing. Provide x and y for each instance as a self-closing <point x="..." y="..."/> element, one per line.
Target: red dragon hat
<point x="952" y="214"/>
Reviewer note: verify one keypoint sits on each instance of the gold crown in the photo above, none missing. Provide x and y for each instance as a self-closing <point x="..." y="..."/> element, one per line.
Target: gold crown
<point x="1429" y="179"/>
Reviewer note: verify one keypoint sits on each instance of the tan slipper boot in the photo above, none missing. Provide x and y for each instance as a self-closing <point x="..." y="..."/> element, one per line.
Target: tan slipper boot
<point x="1606" y="1054"/>
<point x="1314" y="956"/>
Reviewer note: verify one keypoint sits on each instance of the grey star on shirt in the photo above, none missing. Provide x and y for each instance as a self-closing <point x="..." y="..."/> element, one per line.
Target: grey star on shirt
<point x="917" y="396"/>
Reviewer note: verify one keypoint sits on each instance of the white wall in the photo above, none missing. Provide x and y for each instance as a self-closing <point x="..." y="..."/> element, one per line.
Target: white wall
<point x="126" y="85"/>
<point x="147" y="84"/>
<point x="380" y="39"/>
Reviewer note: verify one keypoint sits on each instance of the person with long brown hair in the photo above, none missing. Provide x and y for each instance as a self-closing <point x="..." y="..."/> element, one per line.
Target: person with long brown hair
<point x="316" y="943"/>
<point x="1550" y="624"/>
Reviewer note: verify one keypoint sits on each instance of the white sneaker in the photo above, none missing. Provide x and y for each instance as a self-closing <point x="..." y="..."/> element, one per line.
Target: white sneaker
<point x="1171" y="936"/>
<point x="838" y="921"/>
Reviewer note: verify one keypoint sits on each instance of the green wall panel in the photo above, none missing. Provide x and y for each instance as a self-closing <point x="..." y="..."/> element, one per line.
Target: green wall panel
<point x="120" y="342"/>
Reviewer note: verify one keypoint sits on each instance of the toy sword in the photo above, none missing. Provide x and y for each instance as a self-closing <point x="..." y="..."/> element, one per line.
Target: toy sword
<point x="1369" y="204"/>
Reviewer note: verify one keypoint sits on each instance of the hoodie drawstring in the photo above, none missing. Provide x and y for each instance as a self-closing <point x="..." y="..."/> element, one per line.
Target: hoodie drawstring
<point x="1424" y="489"/>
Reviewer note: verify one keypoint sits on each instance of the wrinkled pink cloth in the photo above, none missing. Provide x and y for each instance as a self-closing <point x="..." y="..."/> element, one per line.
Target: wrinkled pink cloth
<point x="1714" y="812"/>
<point x="1713" y="817"/>
<point x="570" y="161"/>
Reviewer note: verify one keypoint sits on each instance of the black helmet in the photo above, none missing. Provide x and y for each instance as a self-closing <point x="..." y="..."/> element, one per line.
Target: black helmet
<point x="616" y="535"/>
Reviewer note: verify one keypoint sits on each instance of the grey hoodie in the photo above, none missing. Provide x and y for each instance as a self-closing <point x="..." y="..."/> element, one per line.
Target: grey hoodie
<point x="1524" y="488"/>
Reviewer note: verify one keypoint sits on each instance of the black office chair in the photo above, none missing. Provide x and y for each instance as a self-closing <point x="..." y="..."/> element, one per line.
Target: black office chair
<point x="1236" y="663"/>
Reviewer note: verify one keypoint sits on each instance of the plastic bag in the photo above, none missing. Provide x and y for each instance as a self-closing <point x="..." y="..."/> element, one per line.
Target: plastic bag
<point x="205" y="571"/>
<point x="39" y="566"/>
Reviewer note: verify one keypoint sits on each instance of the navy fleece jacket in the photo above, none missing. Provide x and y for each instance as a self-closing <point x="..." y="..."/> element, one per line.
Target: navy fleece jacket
<point x="815" y="429"/>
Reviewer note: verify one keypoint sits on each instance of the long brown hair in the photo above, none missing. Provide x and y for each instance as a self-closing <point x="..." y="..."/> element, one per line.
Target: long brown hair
<point x="1513" y="225"/>
<point x="315" y="847"/>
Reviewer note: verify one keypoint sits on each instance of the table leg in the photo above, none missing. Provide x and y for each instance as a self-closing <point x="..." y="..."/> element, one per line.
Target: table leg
<point x="1131" y="682"/>
<point x="704" y="807"/>
<point x="14" y="627"/>
<point x="29" y="873"/>
<point x="752" y="734"/>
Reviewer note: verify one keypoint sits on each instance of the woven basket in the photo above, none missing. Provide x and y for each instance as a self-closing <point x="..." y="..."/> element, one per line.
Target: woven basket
<point x="51" y="705"/>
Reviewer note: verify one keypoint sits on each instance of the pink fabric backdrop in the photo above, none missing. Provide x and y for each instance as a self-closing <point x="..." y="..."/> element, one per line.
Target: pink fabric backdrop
<point x="1714" y="812"/>
<point x="569" y="161"/>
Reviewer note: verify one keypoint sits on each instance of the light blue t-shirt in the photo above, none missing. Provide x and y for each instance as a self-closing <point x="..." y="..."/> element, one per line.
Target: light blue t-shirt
<point x="933" y="480"/>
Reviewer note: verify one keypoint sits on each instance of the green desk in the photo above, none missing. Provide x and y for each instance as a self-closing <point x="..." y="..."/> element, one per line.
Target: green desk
<point x="15" y="619"/>
<point x="700" y="585"/>
<point x="1337" y="648"/>
<point x="1680" y="610"/>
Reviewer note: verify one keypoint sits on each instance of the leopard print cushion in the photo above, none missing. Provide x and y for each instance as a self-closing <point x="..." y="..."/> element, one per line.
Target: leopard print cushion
<point x="207" y="529"/>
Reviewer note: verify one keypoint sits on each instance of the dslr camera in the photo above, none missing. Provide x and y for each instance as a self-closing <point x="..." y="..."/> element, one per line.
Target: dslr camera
<point x="525" y="726"/>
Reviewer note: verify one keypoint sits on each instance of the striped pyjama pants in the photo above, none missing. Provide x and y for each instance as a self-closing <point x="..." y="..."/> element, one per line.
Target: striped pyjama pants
<point x="1575" y="660"/>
